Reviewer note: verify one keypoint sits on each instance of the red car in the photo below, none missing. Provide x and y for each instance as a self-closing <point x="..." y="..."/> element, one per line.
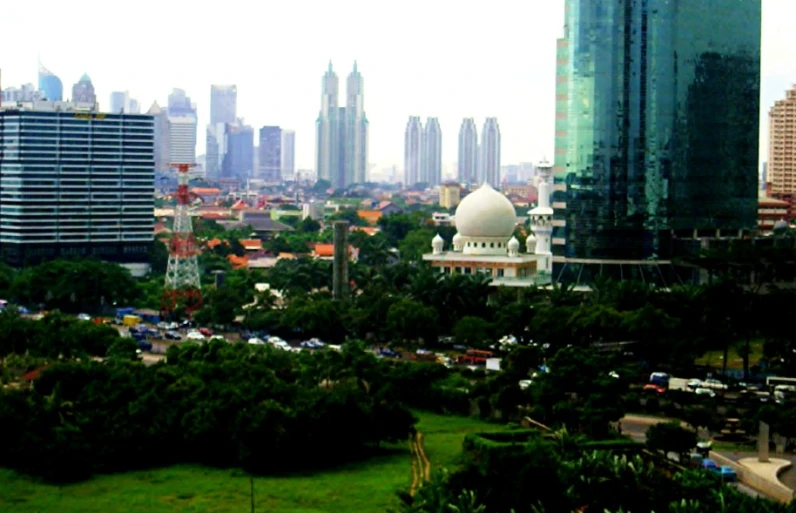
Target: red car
<point x="651" y="387"/>
<point x="206" y="332"/>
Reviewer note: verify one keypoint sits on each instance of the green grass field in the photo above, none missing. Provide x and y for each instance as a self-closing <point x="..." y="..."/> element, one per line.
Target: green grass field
<point x="362" y="487"/>
<point x="715" y="358"/>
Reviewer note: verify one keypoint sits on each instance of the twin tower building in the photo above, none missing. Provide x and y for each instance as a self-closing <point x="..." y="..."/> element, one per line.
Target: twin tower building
<point x="342" y="142"/>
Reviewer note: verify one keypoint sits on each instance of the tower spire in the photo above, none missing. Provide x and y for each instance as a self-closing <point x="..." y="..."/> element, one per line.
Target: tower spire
<point x="330" y="65"/>
<point x="355" y="66"/>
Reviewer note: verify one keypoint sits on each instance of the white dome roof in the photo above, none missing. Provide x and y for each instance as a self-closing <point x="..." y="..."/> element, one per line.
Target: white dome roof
<point x="456" y="238"/>
<point x="485" y="213"/>
<point x="514" y="243"/>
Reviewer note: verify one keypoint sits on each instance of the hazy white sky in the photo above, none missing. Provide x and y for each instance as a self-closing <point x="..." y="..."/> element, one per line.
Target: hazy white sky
<point x="418" y="57"/>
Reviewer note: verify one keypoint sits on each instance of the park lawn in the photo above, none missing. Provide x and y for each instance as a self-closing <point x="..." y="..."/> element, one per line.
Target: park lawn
<point x="734" y="361"/>
<point x="364" y="487"/>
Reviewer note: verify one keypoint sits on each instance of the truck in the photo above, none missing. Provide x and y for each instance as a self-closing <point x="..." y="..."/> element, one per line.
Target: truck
<point x="131" y="320"/>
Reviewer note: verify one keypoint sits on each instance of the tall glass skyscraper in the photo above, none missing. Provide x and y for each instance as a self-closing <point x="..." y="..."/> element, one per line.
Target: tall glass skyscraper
<point x="657" y="119"/>
<point x="50" y="85"/>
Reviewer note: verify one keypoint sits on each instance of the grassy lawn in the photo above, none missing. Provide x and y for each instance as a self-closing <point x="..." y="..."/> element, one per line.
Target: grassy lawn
<point x="362" y="487"/>
<point x="715" y="358"/>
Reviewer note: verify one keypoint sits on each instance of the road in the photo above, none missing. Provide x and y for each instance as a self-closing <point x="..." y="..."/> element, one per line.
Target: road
<point x="636" y="426"/>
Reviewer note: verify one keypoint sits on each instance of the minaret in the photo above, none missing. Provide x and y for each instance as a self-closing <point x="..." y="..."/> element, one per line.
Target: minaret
<point x="542" y="218"/>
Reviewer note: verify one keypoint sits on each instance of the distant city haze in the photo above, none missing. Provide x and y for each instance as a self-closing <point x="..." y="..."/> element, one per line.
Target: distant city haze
<point x="422" y="58"/>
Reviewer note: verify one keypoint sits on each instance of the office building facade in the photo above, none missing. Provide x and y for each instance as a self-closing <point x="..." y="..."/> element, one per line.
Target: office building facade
<point x="75" y="183"/>
<point x="657" y="121"/>
<point x="238" y="160"/>
<point x="50" y="85"/>
<point x="413" y="151"/>
<point x="431" y="166"/>
<point x="342" y="132"/>
<point x="270" y="154"/>
<point x="223" y="104"/>
<point x="182" y="128"/>
<point x="83" y="93"/>
<point x="288" y="155"/>
<point x="489" y="170"/>
<point x="468" y="153"/>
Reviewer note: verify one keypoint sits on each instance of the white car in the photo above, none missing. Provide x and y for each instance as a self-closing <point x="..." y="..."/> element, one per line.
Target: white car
<point x="280" y="344"/>
<point x="693" y="384"/>
<point x="525" y="383"/>
<point x="83" y="317"/>
<point x="256" y="341"/>
<point x="714" y="384"/>
<point x="705" y="391"/>
<point x="195" y="335"/>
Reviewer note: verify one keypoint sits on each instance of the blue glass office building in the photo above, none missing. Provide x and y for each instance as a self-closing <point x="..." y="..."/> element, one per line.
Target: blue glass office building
<point x="657" y="120"/>
<point x="75" y="184"/>
<point x="51" y="86"/>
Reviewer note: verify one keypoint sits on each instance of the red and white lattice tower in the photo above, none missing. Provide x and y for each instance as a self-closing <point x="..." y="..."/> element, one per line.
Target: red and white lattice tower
<point x="183" y="288"/>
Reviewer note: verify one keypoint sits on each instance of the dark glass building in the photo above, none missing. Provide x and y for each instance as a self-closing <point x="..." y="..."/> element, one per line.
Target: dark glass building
<point x="657" y="120"/>
<point x="238" y="159"/>
<point x="271" y="154"/>
<point x="75" y="184"/>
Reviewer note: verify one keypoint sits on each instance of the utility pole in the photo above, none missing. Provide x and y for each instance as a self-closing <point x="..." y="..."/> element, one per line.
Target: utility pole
<point x="251" y="482"/>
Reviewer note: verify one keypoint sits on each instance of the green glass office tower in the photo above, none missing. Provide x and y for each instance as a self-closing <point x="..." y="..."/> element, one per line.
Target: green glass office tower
<point x="657" y="119"/>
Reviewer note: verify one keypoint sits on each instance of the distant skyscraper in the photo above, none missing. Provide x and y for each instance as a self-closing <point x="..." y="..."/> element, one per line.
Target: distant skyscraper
<point x="122" y="103"/>
<point x="161" y="138"/>
<point x="223" y="104"/>
<point x="780" y="168"/>
<point x="119" y="101"/>
<point x="26" y="93"/>
<point x="657" y="114"/>
<point x="468" y="152"/>
<point x="239" y="157"/>
<point x="288" y="155"/>
<point x="490" y="153"/>
<point x="271" y="154"/>
<point x="83" y="92"/>
<point x="413" y="151"/>
<point x="431" y="167"/>
<point x="182" y="128"/>
<point x="50" y="85"/>
<point x="356" y="158"/>
<point x="342" y="132"/>
<point x="327" y="164"/>
<point x="215" y="149"/>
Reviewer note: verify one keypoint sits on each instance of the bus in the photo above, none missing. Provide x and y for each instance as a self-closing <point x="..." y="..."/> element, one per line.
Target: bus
<point x="775" y="381"/>
<point x="475" y="357"/>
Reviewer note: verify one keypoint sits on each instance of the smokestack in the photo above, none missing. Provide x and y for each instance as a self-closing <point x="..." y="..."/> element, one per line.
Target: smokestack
<point x="340" y="265"/>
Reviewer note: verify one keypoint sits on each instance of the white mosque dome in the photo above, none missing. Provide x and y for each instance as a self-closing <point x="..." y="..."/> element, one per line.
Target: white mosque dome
<point x="485" y="213"/>
<point x="514" y="244"/>
<point x="438" y="240"/>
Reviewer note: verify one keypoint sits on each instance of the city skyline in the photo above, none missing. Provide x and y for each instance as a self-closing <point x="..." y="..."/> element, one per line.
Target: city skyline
<point x="402" y="79"/>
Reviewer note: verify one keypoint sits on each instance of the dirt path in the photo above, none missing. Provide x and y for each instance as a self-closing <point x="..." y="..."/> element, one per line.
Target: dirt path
<point x="421" y="466"/>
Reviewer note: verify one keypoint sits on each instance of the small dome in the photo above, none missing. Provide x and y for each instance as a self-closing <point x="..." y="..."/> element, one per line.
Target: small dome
<point x="485" y="213"/>
<point x="514" y="244"/>
<point x="530" y="243"/>
<point x="438" y="240"/>
<point x="456" y="238"/>
<point x="85" y="78"/>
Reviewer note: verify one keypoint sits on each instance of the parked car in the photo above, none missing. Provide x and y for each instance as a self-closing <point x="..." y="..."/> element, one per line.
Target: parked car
<point x="705" y="391"/>
<point x="83" y="317"/>
<point x="714" y="384"/>
<point x="693" y="384"/>
<point x="726" y="473"/>
<point x="172" y="335"/>
<point x="195" y="335"/>
<point x="651" y="387"/>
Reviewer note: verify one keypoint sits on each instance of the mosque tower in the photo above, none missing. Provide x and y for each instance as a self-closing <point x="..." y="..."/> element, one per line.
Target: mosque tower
<point x="542" y="219"/>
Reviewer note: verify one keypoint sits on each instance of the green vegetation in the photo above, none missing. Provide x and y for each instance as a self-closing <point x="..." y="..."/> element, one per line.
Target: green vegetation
<point x="366" y="487"/>
<point x="715" y="358"/>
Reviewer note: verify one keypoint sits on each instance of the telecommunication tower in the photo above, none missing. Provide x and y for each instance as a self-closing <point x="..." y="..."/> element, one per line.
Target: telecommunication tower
<point x="182" y="274"/>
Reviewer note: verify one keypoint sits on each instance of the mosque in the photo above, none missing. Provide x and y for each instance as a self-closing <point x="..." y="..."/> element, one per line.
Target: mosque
<point x="485" y="243"/>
